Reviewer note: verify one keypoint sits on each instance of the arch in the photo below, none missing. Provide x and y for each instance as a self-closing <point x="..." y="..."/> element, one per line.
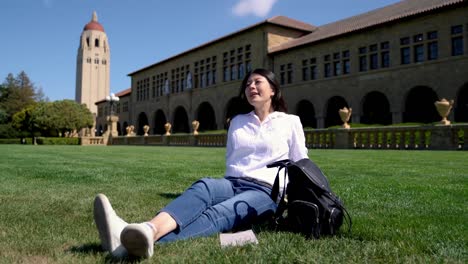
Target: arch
<point x="159" y="121"/>
<point x="181" y="122"/>
<point x="96" y="43"/>
<point x="124" y="129"/>
<point x="206" y="117"/>
<point x="376" y="109"/>
<point x="419" y="105"/>
<point x="234" y="107"/>
<point x="100" y="131"/>
<point x="334" y="104"/>
<point x="119" y="129"/>
<point x="142" y="121"/>
<point x="461" y="106"/>
<point x="306" y="112"/>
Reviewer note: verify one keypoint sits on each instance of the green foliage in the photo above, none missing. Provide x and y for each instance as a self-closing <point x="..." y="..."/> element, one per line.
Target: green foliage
<point x="17" y="93"/>
<point x="15" y="141"/>
<point x="8" y="131"/>
<point x="63" y="116"/>
<point x="58" y="141"/>
<point x="407" y="206"/>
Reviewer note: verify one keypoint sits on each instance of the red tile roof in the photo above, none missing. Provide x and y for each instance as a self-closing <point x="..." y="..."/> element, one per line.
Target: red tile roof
<point x="277" y="20"/>
<point x="400" y="10"/>
<point x="122" y="93"/>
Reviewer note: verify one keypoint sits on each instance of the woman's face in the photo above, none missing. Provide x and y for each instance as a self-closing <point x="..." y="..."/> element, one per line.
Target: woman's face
<point x="258" y="91"/>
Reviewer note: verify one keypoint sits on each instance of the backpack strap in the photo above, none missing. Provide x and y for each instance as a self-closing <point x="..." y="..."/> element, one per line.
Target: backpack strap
<point x="275" y="191"/>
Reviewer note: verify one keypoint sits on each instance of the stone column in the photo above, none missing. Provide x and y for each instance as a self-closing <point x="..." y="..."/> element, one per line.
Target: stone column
<point x="397" y="117"/>
<point x="112" y="125"/>
<point x="320" y="122"/>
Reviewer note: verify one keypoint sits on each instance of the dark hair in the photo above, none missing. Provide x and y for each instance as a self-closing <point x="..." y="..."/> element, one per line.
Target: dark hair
<point x="277" y="100"/>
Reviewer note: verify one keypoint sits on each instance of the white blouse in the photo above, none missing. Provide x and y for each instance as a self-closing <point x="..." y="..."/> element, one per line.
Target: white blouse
<point x="252" y="144"/>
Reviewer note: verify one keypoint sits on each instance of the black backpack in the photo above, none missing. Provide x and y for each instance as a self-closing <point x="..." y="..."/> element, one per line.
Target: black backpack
<point x="307" y="206"/>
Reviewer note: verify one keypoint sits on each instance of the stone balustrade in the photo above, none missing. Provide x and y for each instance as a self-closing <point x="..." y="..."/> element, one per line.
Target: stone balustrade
<point x="449" y="137"/>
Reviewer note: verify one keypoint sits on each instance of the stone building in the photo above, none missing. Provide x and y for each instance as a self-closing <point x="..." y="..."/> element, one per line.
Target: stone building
<point x="389" y="65"/>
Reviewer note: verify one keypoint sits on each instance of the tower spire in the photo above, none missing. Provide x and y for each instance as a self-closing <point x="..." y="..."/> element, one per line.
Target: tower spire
<point x="94" y="17"/>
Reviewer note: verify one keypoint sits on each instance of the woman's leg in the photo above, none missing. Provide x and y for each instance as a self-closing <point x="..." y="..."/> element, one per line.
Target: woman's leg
<point x="138" y="239"/>
<point x="240" y="210"/>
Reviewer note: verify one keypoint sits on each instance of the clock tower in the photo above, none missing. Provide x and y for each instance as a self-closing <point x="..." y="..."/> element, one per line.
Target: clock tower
<point x="92" y="65"/>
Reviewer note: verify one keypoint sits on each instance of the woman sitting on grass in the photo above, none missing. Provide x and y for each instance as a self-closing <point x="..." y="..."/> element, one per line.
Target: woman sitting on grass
<point x="264" y="135"/>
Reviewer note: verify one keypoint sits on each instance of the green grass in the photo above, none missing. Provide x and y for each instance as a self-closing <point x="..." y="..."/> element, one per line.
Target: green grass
<point x="407" y="206"/>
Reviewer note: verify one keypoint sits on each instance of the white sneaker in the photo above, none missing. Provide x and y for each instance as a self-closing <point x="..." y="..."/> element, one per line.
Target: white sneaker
<point x="138" y="240"/>
<point x="109" y="226"/>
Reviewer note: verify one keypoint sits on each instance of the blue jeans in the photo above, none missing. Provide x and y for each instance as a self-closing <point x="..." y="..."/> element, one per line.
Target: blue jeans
<point x="212" y="206"/>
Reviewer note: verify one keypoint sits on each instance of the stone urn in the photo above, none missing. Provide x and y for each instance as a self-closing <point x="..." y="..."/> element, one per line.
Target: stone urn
<point x="168" y="127"/>
<point x="195" y="126"/>
<point x="443" y="107"/>
<point x="146" y="129"/>
<point x="129" y="130"/>
<point x="345" y="114"/>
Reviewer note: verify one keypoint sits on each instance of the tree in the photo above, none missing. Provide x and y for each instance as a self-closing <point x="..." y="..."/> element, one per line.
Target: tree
<point x="17" y="93"/>
<point x="63" y="116"/>
<point x="24" y="121"/>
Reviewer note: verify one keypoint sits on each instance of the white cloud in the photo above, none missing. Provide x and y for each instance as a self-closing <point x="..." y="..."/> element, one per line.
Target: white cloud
<point x="258" y="8"/>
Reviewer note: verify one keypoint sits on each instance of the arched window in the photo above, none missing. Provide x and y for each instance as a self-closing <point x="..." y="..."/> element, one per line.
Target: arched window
<point x="96" y="43"/>
<point x="87" y="42"/>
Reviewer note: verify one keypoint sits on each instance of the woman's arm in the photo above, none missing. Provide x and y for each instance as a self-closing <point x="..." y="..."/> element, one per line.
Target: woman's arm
<point x="297" y="146"/>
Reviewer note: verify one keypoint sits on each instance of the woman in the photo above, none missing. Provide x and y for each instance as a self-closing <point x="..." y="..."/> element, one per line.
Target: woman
<point x="255" y="139"/>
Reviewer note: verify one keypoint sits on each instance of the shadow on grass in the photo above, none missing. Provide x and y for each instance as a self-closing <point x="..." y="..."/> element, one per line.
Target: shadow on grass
<point x="95" y="248"/>
<point x="170" y="195"/>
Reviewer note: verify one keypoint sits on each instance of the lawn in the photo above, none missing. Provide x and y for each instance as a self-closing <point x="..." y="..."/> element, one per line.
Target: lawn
<point x="407" y="206"/>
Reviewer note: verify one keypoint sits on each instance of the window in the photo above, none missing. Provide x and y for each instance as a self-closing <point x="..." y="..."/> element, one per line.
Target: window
<point x="346" y="63"/>
<point x="432" y="46"/>
<point x="225" y="74"/>
<point x="309" y="69"/>
<point x="457" y="46"/>
<point x="327" y="70"/>
<point x="374" y="61"/>
<point x="433" y="50"/>
<point x="362" y="63"/>
<point x="405" y="55"/>
<point x="419" y="53"/>
<point x="373" y="57"/>
<point x="418" y="38"/>
<point x="290" y="73"/>
<point x="458" y="29"/>
<point x="385" y="54"/>
<point x="96" y="43"/>
<point x="385" y="58"/>
<point x="432" y="35"/>
<point x="336" y="68"/>
<point x="233" y="72"/>
<point x="457" y="40"/>
<point x="362" y="50"/>
<point x="313" y="72"/>
<point x="305" y="70"/>
<point x="405" y="41"/>
<point x="346" y="66"/>
<point x="236" y="63"/>
<point x="286" y="73"/>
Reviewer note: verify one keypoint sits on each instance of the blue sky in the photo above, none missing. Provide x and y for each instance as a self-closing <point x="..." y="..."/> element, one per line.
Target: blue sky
<point x="41" y="37"/>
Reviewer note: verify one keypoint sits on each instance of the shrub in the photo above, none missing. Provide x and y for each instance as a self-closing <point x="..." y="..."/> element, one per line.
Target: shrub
<point x="58" y="141"/>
